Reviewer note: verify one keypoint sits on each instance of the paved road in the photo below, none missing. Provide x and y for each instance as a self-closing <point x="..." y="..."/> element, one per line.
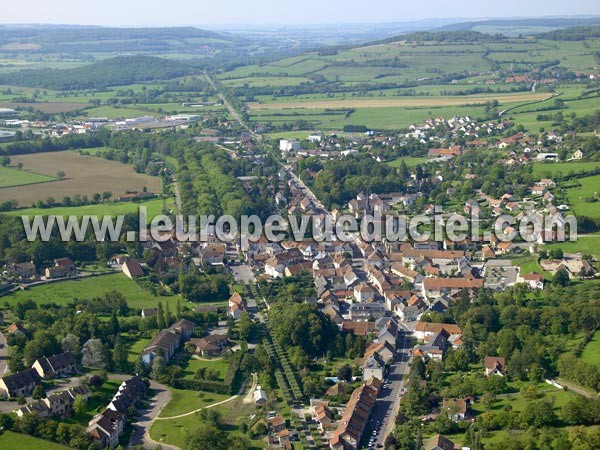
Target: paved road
<point x="242" y="273"/>
<point x="230" y="108"/>
<point x="141" y="427"/>
<point x="386" y="408"/>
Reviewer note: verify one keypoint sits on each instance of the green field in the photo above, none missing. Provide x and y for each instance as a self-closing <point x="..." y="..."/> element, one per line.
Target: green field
<point x="591" y="352"/>
<point x="64" y="292"/>
<point x="17" y="441"/>
<point x="16" y="177"/>
<point x="194" y="364"/>
<point x="410" y="161"/>
<point x="589" y="244"/>
<point x="173" y="431"/>
<point x="549" y="170"/>
<point x="183" y="401"/>
<point x="135" y="345"/>
<point x="155" y="207"/>
<point x="588" y="187"/>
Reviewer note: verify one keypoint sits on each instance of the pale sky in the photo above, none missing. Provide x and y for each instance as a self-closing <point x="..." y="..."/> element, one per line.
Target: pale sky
<point x="199" y="12"/>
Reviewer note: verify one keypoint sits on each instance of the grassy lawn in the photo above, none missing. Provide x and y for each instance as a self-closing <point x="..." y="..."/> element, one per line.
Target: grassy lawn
<point x="589" y="187"/>
<point x="591" y="352"/>
<point x="589" y="243"/>
<point x="543" y="170"/>
<point x="529" y="264"/>
<point x="16" y="177"/>
<point x="410" y="161"/>
<point x="194" y="364"/>
<point x="155" y="207"/>
<point x="64" y="292"/>
<point x="183" y="401"/>
<point x="17" y="441"/>
<point x="518" y="402"/>
<point x="135" y="346"/>
<point x="174" y="431"/>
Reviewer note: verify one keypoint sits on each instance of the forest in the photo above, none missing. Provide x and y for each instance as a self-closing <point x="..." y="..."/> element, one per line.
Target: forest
<point x="117" y="71"/>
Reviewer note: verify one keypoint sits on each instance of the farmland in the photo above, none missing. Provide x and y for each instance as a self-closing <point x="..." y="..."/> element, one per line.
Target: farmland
<point x="550" y="170"/>
<point x="64" y="292"/>
<point x="154" y="208"/>
<point x="14" y="177"/>
<point x="400" y="102"/>
<point x="84" y="175"/>
<point x="581" y="197"/>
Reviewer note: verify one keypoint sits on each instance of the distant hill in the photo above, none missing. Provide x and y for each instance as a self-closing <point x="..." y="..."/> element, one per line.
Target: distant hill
<point x="513" y="27"/>
<point x="571" y="34"/>
<point x="121" y="70"/>
<point x="61" y="39"/>
<point x="442" y="36"/>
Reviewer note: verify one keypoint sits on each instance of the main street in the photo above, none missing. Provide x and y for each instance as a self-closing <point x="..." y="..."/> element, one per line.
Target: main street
<point x="388" y="403"/>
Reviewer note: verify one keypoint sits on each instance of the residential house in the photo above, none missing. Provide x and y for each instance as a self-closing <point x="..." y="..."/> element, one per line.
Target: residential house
<point x="25" y="270"/>
<point x="20" y="384"/>
<point x="211" y="345"/>
<point x="55" y="366"/>
<point x="367" y="311"/>
<point x="438" y="442"/>
<point x="352" y="425"/>
<point x="132" y="269"/>
<point x="425" y="330"/>
<point x="324" y="416"/>
<point x="455" y="408"/>
<point x="63" y="267"/>
<point x="534" y="280"/>
<point x="106" y="427"/>
<point x="15" y="328"/>
<point x="212" y="254"/>
<point x="236" y="305"/>
<point x="363" y="292"/>
<point x="276" y="423"/>
<point x="149" y="312"/>
<point x="436" y="287"/>
<point x="494" y="365"/>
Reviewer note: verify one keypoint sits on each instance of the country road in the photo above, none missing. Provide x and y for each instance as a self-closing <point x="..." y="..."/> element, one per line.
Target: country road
<point x="230" y="108"/>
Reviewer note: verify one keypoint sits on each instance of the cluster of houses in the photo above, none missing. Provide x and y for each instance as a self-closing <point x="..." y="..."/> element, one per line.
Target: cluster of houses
<point x="28" y="272"/>
<point x="60" y="404"/>
<point x="167" y="341"/>
<point x="22" y="384"/>
<point x="106" y="427"/>
<point x="353" y="424"/>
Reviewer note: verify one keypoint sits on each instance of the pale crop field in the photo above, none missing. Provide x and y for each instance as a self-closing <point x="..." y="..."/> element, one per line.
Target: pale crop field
<point x="83" y="175"/>
<point x="402" y="101"/>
